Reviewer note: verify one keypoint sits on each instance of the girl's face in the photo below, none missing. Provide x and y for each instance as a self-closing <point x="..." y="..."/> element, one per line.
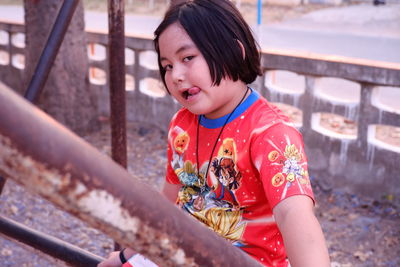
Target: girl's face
<point x="188" y="77"/>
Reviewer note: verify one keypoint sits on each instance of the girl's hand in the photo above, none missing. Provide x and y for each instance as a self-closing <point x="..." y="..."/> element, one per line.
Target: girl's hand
<point x="112" y="260"/>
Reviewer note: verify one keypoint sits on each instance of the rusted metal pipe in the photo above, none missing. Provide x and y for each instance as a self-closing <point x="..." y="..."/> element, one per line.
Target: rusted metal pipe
<point x="50" y="245"/>
<point x="2" y="183"/>
<point x="50" y="50"/>
<point x="47" y="158"/>
<point x="48" y="55"/>
<point x="116" y="56"/>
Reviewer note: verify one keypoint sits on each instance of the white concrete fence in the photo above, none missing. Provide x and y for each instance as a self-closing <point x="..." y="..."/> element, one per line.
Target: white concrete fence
<point x="347" y="110"/>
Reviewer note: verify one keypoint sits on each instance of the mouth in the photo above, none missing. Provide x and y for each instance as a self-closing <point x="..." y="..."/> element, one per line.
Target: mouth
<point x="190" y="92"/>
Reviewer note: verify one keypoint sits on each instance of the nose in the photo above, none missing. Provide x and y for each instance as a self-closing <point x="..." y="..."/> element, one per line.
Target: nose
<point x="178" y="74"/>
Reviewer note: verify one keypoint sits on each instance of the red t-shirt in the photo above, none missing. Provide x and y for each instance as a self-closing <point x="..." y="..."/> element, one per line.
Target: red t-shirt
<point x="258" y="161"/>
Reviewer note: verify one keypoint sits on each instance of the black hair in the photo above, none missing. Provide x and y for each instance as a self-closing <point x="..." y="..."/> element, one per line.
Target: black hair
<point x="216" y="27"/>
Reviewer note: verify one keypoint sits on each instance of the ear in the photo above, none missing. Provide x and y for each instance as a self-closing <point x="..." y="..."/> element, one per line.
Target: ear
<point x="242" y="48"/>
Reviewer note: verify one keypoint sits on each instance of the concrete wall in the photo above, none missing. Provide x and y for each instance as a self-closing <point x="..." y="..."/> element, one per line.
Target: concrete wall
<point x="356" y="162"/>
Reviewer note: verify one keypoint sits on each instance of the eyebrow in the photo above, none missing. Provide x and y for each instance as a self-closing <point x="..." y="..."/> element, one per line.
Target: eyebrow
<point x="179" y="50"/>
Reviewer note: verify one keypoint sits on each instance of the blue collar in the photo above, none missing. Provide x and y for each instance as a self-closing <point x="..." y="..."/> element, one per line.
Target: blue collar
<point x="219" y="122"/>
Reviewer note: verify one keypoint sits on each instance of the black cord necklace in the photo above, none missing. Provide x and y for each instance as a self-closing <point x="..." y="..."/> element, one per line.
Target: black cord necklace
<point x="216" y="141"/>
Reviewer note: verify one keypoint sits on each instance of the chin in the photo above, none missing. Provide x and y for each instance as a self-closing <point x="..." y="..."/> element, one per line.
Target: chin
<point x="197" y="111"/>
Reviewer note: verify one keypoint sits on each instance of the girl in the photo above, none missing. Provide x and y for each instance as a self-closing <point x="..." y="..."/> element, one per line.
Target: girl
<point x="235" y="162"/>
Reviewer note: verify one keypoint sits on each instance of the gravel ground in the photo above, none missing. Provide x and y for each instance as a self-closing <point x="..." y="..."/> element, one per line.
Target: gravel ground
<point x="359" y="231"/>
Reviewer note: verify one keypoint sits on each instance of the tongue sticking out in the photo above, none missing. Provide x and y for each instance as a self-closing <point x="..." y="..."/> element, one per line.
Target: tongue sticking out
<point x="192" y="91"/>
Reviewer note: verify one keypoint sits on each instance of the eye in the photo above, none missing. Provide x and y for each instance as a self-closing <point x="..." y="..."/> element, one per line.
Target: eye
<point x="167" y="67"/>
<point x="186" y="59"/>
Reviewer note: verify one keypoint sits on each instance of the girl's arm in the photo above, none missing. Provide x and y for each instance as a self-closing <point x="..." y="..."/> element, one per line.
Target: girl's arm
<point x="302" y="234"/>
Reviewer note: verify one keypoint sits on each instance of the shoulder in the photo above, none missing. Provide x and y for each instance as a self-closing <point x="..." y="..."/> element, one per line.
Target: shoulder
<point x="280" y="136"/>
<point x="268" y="119"/>
<point x="182" y="116"/>
<point x="181" y="123"/>
<point x="284" y="130"/>
<point x="268" y="113"/>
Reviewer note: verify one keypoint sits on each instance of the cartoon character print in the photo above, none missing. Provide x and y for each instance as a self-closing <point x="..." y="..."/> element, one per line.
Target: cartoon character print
<point x="181" y="142"/>
<point x="212" y="202"/>
<point x="188" y="174"/>
<point x="225" y="222"/>
<point x="185" y="170"/>
<point x="224" y="177"/>
<point x="189" y="195"/>
<point x="292" y="169"/>
<point x="227" y="165"/>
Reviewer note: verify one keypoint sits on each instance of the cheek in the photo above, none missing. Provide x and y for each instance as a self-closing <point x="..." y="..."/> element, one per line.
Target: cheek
<point x="167" y="78"/>
<point x="172" y="88"/>
<point x="169" y="83"/>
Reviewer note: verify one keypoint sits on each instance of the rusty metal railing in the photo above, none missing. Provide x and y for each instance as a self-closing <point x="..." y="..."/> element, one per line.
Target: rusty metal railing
<point x="40" y="241"/>
<point x="48" y="159"/>
<point x="48" y="56"/>
<point x="47" y="244"/>
<point x="116" y="53"/>
<point x="50" y="245"/>
<point x="50" y="50"/>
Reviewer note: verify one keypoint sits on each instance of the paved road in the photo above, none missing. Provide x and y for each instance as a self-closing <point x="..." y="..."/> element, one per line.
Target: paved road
<point x="363" y="31"/>
<point x="340" y="44"/>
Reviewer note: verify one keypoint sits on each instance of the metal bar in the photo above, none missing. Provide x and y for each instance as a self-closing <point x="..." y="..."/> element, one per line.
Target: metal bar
<point x="116" y="52"/>
<point x="48" y="56"/>
<point x="2" y="183"/>
<point x="45" y="157"/>
<point x="116" y="57"/>
<point x="48" y="244"/>
<point x="50" y="50"/>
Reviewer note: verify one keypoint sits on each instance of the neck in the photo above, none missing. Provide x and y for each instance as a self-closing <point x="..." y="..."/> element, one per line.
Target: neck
<point x="219" y="135"/>
<point x="241" y="93"/>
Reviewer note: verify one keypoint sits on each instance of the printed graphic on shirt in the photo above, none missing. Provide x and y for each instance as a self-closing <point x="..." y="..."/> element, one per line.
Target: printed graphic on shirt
<point x="212" y="202"/>
<point x="292" y="171"/>
<point x="258" y="162"/>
